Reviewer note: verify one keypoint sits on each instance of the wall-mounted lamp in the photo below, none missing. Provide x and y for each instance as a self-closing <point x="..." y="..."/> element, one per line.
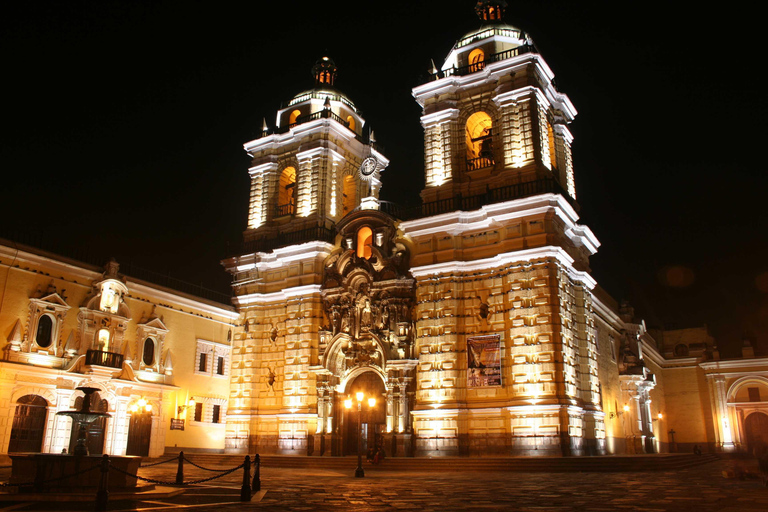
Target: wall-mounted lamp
<point x="189" y="404"/>
<point x="617" y="414"/>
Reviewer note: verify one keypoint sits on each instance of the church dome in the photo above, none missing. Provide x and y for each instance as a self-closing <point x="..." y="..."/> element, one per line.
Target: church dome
<point x="493" y="41"/>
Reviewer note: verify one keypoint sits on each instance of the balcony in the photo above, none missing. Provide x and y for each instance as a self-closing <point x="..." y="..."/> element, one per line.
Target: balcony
<point x="101" y="358"/>
<point x="489" y="59"/>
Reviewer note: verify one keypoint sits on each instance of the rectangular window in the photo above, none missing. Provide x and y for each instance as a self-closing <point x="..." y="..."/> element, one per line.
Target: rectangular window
<point x="199" y="411"/>
<point x="220" y="366"/>
<point x="203" y="362"/>
<point x="754" y="394"/>
<point x="216" y="414"/>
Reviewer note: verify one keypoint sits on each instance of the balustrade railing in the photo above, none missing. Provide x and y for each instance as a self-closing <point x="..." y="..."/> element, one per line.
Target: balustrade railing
<point x="102" y="358"/>
<point x="479" y="163"/>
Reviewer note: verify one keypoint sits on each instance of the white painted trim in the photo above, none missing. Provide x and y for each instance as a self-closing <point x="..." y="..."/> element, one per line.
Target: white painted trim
<point x="282" y="295"/>
<point x="509" y="258"/>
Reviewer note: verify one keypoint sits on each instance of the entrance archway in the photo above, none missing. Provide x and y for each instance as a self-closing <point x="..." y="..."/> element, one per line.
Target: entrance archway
<point x="374" y="420"/>
<point x="96" y="428"/>
<point x="28" y="424"/>
<point x="756" y="429"/>
<point x="139" y="430"/>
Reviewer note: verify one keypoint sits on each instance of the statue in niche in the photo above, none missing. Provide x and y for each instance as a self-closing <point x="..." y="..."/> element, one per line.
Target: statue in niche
<point x="335" y="320"/>
<point x="273" y="334"/>
<point x="271" y="378"/>
<point x="345" y="321"/>
<point x="365" y="314"/>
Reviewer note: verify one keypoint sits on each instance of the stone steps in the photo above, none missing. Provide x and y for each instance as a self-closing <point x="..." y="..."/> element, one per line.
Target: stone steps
<point x="614" y="463"/>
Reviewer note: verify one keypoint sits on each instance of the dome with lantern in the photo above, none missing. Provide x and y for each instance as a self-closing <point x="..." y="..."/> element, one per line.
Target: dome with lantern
<point x="492" y="42"/>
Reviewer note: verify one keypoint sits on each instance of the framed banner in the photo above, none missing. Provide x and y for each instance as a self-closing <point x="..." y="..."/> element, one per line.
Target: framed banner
<point x="484" y="361"/>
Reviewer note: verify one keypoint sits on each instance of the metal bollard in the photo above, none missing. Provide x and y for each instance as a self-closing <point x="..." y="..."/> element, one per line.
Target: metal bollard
<point x="256" y="486"/>
<point x="245" y="490"/>
<point x="102" y="496"/>
<point x="180" y="470"/>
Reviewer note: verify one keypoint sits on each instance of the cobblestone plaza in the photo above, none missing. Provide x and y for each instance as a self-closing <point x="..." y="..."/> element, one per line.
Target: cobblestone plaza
<point x="702" y="488"/>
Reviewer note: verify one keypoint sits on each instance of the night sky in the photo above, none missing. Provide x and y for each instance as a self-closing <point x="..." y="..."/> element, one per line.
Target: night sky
<point x="124" y="122"/>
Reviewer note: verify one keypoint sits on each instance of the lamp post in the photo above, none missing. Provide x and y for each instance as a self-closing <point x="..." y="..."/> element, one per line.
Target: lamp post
<point x="360" y="472"/>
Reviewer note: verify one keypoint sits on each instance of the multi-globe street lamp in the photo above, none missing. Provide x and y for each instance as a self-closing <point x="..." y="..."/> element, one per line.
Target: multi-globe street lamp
<point x="360" y="472"/>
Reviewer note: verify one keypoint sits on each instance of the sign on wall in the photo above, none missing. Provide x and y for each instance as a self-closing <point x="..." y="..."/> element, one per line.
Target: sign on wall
<point x="177" y="424"/>
<point x="484" y="361"/>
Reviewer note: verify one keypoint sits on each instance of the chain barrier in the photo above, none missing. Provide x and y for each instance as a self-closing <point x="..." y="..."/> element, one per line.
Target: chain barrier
<point x="153" y="464"/>
<point x="201" y="467"/>
<point x="161" y="482"/>
<point x="43" y="482"/>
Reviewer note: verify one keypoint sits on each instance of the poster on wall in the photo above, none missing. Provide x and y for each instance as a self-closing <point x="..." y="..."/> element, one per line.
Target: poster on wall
<point x="484" y="361"/>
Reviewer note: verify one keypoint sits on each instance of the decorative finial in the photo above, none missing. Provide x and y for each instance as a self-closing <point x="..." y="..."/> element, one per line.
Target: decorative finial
<point x="327" y="103"/>
<point x="490" y="10"/>
<point x="264" y="126"/>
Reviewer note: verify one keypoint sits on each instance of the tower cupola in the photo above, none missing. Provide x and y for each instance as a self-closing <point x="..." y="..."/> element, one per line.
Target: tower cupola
<point x="324" y="72"/>
<point x="490" y="10"/>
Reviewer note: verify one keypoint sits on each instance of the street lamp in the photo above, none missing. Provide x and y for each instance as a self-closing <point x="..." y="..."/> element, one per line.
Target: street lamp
<point x="360" y="472"/>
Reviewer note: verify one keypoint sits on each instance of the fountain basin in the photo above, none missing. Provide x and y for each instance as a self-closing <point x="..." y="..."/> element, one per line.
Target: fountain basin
<point x="29" y="468"/>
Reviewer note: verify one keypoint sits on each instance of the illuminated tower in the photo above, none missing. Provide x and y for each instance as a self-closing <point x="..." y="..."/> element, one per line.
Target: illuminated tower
<point x="492" y="115"/>
<point x="310" y="173"/>
<point x="504" y="321"/>
<point x="306" y="171"/>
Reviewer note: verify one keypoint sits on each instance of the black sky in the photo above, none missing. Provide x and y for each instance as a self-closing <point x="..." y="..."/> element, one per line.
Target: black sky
<point x="124" y="124"/>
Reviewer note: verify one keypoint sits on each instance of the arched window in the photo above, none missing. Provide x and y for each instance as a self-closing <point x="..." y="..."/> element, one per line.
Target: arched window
<point x="286" y="194"/>
<point x="348" y="195"/>
<point x="149" y="352"/>
<point x="479" y="139"/>
<point x="364" y="242"/>
<point x="476" y="60"/>
<point x="351" y="123"/>
<point x="293" y="117"/>
<point x="552" y="150"/>
<point x="44" y="331"/>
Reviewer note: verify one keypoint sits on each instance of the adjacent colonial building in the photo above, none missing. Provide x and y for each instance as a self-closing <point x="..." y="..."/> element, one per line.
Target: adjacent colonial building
<point x="155" y="355"/>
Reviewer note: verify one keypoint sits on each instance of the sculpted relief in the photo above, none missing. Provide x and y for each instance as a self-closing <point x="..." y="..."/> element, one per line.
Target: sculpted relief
<point x="368" y="296"/>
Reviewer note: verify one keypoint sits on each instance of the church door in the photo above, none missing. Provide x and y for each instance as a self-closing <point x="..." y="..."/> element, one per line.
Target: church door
<point x="756" y="428"/>
<point x="373" y="419"/>
<point x="139" y="431"/>
<point x="28" y="424"/>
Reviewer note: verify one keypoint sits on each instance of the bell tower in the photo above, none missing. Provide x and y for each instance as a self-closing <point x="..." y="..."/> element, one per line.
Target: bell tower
<point x="317" y="164"/>
<point x="492" y="116"/>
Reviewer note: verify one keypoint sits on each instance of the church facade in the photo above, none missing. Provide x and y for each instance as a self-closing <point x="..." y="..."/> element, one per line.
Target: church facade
<point x="473" y="320"/>
<point x="469" y="325"/>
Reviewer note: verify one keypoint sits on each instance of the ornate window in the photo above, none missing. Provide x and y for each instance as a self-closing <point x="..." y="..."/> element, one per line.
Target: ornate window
<point x="149" y="345"/>
<point x="293" y="117"/>
<point x="46" y="318"/>
<point x="148" y="357"/>
<point x="210" y="409"/>
<point x="44" y="333"/>
<point x="212" y="359"/>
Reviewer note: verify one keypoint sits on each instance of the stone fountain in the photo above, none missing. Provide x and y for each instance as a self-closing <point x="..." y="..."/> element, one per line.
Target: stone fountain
<point x="74" y="473"/>
<point x="84" y="417"/>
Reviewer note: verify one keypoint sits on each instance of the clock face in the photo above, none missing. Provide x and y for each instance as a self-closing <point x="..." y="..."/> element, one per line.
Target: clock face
<point x="368" y="166"/>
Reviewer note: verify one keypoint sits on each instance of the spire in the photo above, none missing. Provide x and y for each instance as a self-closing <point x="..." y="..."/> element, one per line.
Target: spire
<point x="490" y="10"/>
<point x="324" y="72"/>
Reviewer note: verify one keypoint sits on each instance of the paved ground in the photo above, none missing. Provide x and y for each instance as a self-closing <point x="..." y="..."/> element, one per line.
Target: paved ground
<point x="700" y="489"/>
